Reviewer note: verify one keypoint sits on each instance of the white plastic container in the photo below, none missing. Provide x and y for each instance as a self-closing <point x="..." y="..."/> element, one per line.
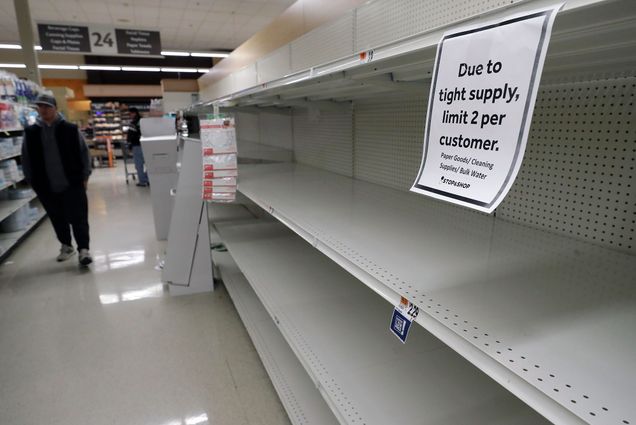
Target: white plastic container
<point x="20" y="193"/>
<point x="17" y="221"/>
<point x="10" y="169"/>
<point x="6" y="146"/>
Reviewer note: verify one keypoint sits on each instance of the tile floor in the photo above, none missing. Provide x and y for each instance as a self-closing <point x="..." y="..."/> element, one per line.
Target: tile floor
<point x="109" y="345"/>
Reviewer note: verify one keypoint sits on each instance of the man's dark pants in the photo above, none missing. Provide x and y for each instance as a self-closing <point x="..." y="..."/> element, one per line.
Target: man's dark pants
<point x="65" y="210"/>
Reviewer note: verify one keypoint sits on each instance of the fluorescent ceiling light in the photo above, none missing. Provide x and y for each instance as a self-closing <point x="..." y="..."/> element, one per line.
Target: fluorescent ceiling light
<point x="179" y="70"/>
<point x="100" y="68"/>
<point x="173" y="53"/>
<point x="14" y="46"/>
<point x="108" y="68"/>
<point x="209" y="55"/>
<point x="194" y="420"/>
<point x="42" y="66"/>
<point x="140" y="68"/>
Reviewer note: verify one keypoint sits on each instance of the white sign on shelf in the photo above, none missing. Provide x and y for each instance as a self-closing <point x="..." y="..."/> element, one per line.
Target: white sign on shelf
<point x="480" y="107"/>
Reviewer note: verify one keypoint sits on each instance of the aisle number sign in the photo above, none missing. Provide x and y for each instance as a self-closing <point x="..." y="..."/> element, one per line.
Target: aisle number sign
<point x="98" y="40"/>
<point x="404" y="314"/>
<point x="483" y="91"/>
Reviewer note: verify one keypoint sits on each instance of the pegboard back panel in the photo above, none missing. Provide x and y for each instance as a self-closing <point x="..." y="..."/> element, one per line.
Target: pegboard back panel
<point x="275" y="129"/>
<point x="323" y="44"/>
<point x="245" y="78"/>
<point x="225" y="86"/>
<point x="389" y="140"/>
<point x="247" y="127"/>
<point x="577" y="176"/>
<point x="275" y="65"/>
<point x="324" y="139"/>
<point x="383" y="21"/>
<point x="388" y="145"/>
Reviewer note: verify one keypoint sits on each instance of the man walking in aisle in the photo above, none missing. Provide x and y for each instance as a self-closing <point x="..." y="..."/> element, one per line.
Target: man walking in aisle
<point x="56" y="163"/>
<point x="133" y="137"/>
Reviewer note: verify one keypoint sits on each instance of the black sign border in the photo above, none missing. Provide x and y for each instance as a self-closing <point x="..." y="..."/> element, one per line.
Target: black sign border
<point x="81" y="52"/>
<point x="120" y="43"/>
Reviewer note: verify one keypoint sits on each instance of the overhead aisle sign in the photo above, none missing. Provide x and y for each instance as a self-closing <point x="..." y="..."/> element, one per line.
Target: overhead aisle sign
<point x="480" y="107"/>
<point x="98" y="40"/>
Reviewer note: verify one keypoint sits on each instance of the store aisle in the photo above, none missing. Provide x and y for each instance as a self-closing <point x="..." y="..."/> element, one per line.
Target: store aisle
<point x="108" y="345"/>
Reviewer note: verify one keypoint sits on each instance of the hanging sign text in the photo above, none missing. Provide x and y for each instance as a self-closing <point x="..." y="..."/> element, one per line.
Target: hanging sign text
<point x="481" y="102"/>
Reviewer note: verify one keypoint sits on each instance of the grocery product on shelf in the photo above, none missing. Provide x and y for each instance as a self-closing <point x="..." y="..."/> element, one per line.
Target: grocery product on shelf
<point x="107" y="122"/>
<point x="16" y="99"/>
<point x="17" y="221"/>
<point x="22" y="193"/>
<point x="10" y="170"/>
<point x="18" y="210"/>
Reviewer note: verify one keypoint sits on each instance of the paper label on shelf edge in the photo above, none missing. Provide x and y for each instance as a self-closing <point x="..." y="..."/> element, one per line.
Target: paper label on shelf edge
<point x="367" y="56"/>
<point x="481" y="102"/>
<point x="403" y="316"/>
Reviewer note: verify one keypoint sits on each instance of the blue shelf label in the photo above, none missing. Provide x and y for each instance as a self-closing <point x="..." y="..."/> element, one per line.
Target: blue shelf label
<point x="400" y="325"/>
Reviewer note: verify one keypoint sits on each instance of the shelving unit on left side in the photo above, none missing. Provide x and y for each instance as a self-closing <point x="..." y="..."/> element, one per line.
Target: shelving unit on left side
<point x="20" y="213"/>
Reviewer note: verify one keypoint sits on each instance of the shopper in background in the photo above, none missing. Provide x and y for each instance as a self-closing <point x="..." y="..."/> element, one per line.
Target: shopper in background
<point x="133" y="137"/>
<point x="56" y="163"/>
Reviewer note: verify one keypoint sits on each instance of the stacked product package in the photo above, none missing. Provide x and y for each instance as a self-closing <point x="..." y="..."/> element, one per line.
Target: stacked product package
<point x="10" y="146"/>
<point x="218" y="144"/>
<point x="10" y="170"/>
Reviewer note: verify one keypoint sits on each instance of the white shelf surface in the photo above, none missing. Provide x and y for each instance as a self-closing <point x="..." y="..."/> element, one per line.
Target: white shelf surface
<point x="8" y="240"/>
<point x="550" y="318"/>
<point x="301" y="399"/>
<point x="11" y="155"/>
<point x="339" y="331"/>
<point x="588" y="34"/>
<point x="10" y="206"/>
<point x="256" y="151"/>
<point x="9" y="184"/>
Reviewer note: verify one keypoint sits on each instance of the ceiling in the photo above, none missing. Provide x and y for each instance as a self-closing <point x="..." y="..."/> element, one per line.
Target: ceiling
<point x="186" y="24"/>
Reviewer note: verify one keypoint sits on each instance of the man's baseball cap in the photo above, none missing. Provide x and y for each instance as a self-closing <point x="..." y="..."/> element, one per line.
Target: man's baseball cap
<point x="46" y="99"/>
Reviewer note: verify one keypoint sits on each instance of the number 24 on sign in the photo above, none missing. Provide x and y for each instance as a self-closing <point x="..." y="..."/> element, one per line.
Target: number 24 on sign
<point x="101" y="39"/>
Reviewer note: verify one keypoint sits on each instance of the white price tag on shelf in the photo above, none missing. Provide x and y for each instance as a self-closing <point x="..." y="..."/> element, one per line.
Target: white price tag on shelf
<point x="403" y="316"/>
<point x="367" y="56"/>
